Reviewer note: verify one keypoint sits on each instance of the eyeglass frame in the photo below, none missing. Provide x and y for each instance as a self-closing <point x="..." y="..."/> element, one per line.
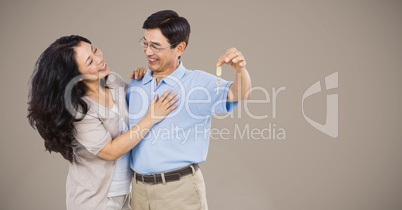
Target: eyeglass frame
<point x="145" y="45"/>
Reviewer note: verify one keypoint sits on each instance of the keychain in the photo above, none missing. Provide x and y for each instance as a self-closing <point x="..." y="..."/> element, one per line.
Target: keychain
<point x="218" y="80"/>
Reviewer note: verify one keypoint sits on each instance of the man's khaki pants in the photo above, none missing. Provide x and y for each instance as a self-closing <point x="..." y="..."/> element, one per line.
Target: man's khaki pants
<point x="186" y="194"/>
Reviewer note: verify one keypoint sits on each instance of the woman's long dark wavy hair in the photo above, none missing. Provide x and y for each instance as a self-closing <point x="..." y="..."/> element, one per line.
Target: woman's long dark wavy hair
<point x="47" y="106"/>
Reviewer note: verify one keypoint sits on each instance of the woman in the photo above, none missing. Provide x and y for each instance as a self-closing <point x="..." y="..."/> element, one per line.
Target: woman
<point x="79" y="108"/>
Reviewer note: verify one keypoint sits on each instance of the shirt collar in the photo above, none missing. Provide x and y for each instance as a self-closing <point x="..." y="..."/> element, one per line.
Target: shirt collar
<point x="147" y="78"/>
<point x="171" y="80"/>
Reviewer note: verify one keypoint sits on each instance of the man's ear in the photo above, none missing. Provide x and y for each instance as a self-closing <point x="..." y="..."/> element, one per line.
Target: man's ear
<point x="180" y="48"/>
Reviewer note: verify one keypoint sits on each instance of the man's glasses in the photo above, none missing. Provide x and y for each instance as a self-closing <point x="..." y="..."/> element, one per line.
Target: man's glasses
<point x="152" y="46"/>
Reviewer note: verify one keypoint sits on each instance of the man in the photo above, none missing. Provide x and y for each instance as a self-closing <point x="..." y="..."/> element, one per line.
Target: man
<point x="165" y="162"/>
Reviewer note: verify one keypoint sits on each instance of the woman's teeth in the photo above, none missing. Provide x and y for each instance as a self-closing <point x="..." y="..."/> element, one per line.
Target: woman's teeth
<point x="103" y="67"/>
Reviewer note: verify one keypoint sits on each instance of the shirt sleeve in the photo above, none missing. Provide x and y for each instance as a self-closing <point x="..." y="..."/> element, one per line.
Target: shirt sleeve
<point x="210" y="98"/>
<point x="91" y="133"/>
<point x="128" y="92"/>
<point x="115" y="80"/>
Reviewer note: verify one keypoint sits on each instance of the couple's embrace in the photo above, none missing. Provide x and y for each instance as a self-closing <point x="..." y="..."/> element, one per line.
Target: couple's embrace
<point x="116" y="161"/>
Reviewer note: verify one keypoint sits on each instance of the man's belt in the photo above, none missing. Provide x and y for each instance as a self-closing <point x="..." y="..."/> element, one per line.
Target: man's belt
<point x="168" y="176"/>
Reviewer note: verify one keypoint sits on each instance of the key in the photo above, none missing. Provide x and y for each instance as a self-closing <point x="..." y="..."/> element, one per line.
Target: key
<point x="218" y="84"/>
<point x="218" y="70"/>
<point x="218" y="80"/>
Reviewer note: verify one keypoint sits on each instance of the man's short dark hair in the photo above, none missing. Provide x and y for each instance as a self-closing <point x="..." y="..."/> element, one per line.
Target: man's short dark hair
<point x="175" y="28"/>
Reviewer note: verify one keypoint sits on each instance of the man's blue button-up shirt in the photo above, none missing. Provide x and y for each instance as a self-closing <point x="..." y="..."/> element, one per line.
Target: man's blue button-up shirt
<point x="182" y="138"/>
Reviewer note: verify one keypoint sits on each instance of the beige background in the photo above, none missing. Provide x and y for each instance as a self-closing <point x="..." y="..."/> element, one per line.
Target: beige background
<point x="288" y="44"/>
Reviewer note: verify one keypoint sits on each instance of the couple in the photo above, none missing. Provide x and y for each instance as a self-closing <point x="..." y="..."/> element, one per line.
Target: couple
<point x="80" y="109"/>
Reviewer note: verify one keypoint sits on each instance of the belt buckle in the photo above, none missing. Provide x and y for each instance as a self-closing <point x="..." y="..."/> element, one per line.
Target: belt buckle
<point x="179" y="176"/>
<point x="153" y="175"/>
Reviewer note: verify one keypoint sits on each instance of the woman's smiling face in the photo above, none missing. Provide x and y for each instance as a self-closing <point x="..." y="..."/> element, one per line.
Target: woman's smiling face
<point x="90" y="61"/>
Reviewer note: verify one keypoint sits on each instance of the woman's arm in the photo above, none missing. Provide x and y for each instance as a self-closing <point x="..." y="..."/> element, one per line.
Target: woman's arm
<point x="157" y="111"/>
